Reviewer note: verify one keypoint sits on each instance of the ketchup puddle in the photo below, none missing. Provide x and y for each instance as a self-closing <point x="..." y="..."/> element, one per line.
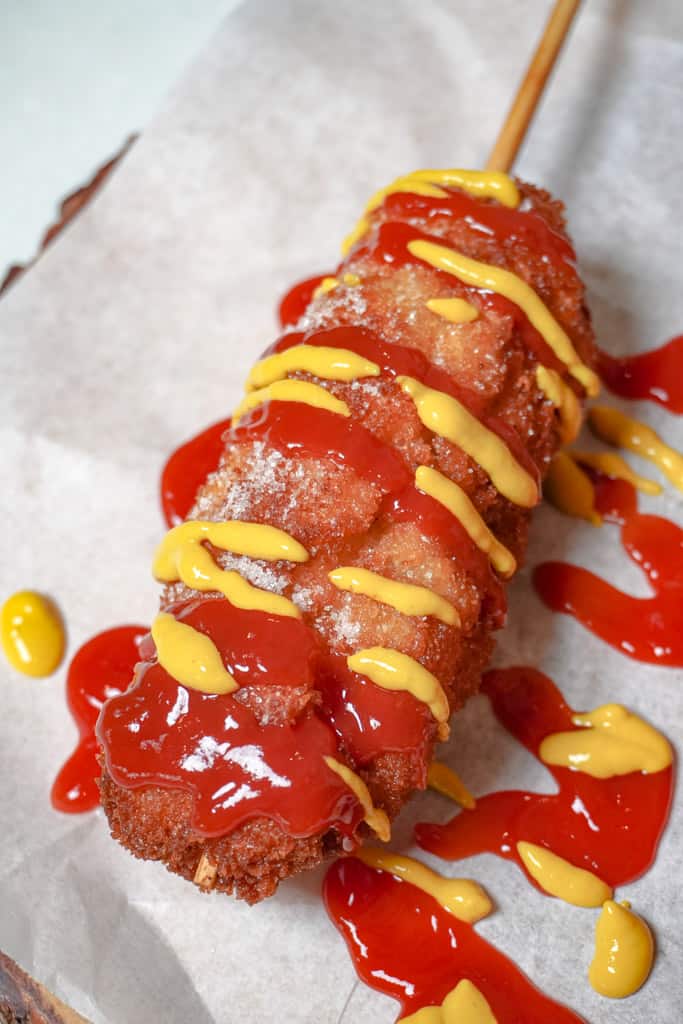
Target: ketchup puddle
<point x="654" y="375"/>
<point x="646" y="629"/>
<point x="404" y="944"/>
<point x="102" y="668"/>
<point x="610" y="827"/>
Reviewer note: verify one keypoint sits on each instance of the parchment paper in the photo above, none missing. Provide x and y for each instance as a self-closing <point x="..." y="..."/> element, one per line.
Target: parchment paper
<point x="137" y="329"/>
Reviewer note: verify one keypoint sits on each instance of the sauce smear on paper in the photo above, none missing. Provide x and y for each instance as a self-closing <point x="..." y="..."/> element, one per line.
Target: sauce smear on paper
<point x="407" y="946"/>
<point x="647" y="629"/>
<point x="102" y="668"/>
<point x="608" y="826"/>
<point x="187" y="469"/>
<point x="654" y="375"/>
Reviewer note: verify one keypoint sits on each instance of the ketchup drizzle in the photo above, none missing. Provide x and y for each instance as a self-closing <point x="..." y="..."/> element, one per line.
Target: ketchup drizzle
<point x="296" y="301"/>
<point x="101" y="668"/>
<point x="187" y="469"/>
<point x="404" y="944"/>
<point x="608" y="826"/>
<point x="654" y="375"/>
<point x="646" y="629"/>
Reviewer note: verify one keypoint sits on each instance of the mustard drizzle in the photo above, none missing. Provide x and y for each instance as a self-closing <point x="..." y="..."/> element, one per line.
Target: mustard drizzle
<point x="404" y="597"/>
<point x="447" y="417"/>
<point x="514" y="288"/>
<point x="182" y="556"/>
<point x="451" y="496"/>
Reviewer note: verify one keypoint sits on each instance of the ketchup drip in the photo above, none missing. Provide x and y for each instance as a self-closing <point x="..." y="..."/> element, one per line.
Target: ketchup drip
<point x="404" y="944"/>
<point x="490" y="219"/>
<point x="160" y="733"/>
<point x="298" y="429"/>
<point x="400" y="360"/>
<point x="610" y="827"/>
<point x="390" y="245"/>
<point x="101" y="668"/>
<point x="297" y="300"/>
<point x="653" y="375"/>
<point x="370" y="720"/>
<point x="647" y="629"/>
<point x="187" y="469"/>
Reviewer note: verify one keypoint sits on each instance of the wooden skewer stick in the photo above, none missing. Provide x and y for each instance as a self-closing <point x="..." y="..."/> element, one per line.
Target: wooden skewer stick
<point x="530" y="91"/>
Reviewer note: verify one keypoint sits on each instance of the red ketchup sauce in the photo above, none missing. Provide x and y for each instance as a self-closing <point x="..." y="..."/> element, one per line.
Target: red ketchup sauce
<point x="608" y="826"/>
<point x="404" y="944"/>
<point x="102" y="668"/>
<point x="648" y="629"/>
<point x="212" y="746"/>
<point x="655" y="375"/>
<point x="390" y="245"/>
<point x="296" y="301"/>
<point x="187" y="469"/>
<point x="491" y="219"/>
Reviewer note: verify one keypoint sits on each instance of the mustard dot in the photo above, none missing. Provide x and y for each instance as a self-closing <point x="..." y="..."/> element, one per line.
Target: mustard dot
<point x="32" y="633"/>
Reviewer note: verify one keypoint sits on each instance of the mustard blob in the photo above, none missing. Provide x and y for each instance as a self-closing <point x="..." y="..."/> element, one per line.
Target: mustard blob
<point x="374" y="817"/>
<point x="560" y="878"/>
<point x="456" y="311"/>
<point x="570" y="490"/>
<point x="624" y="952"/>
<point x="32" y="634"/>
<point x="190" y="657"/>
<point x="614" y="741"/>
<point x="615" y="427"/>
<point x="461" y="897"/>
<point x="463" y="1005"/>
<point x="444" y="780"/>
<point x="613" y="465"/>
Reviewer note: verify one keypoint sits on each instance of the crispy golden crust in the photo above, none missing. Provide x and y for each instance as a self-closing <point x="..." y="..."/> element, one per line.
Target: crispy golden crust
<point x="339" y="518"/>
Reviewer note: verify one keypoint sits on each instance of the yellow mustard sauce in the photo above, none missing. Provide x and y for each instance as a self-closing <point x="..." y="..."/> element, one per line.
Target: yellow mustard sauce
<point x="565" y="401"/>
<point x="624" y="952"/>
<point x="461" y="897"/>
<point x="452" y="497"/>
<point x="190" y="657"/>
<point x="32" y="634"/>
<point x="404" y="597"/>
<point x="374" y="817"/>
<point x="485" y="184"/>
<point x="620" y="430"/>
<point x="445" y="416"/>
<point x="463" y="1005"/>
<point x="456" y="311"/>
<point x="613" y="741"/>
<point x="395" y="671"/>
<point x="613" y="465"/>
<point x="570" y="490"/>
<point x="182" y="556"/>
<point x="514" y="288"/>
<point x="318" y="360"/>
<point x="444" y="780"/>
<point x="560" y="878"/>
<point x="291" y="391"/>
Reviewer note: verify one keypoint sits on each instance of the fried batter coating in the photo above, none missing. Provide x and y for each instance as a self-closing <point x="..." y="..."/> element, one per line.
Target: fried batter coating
<point x="339" y="518"/>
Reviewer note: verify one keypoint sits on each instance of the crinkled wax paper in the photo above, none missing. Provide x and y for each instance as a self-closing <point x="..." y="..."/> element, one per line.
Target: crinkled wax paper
<point x="136" y="330"/>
